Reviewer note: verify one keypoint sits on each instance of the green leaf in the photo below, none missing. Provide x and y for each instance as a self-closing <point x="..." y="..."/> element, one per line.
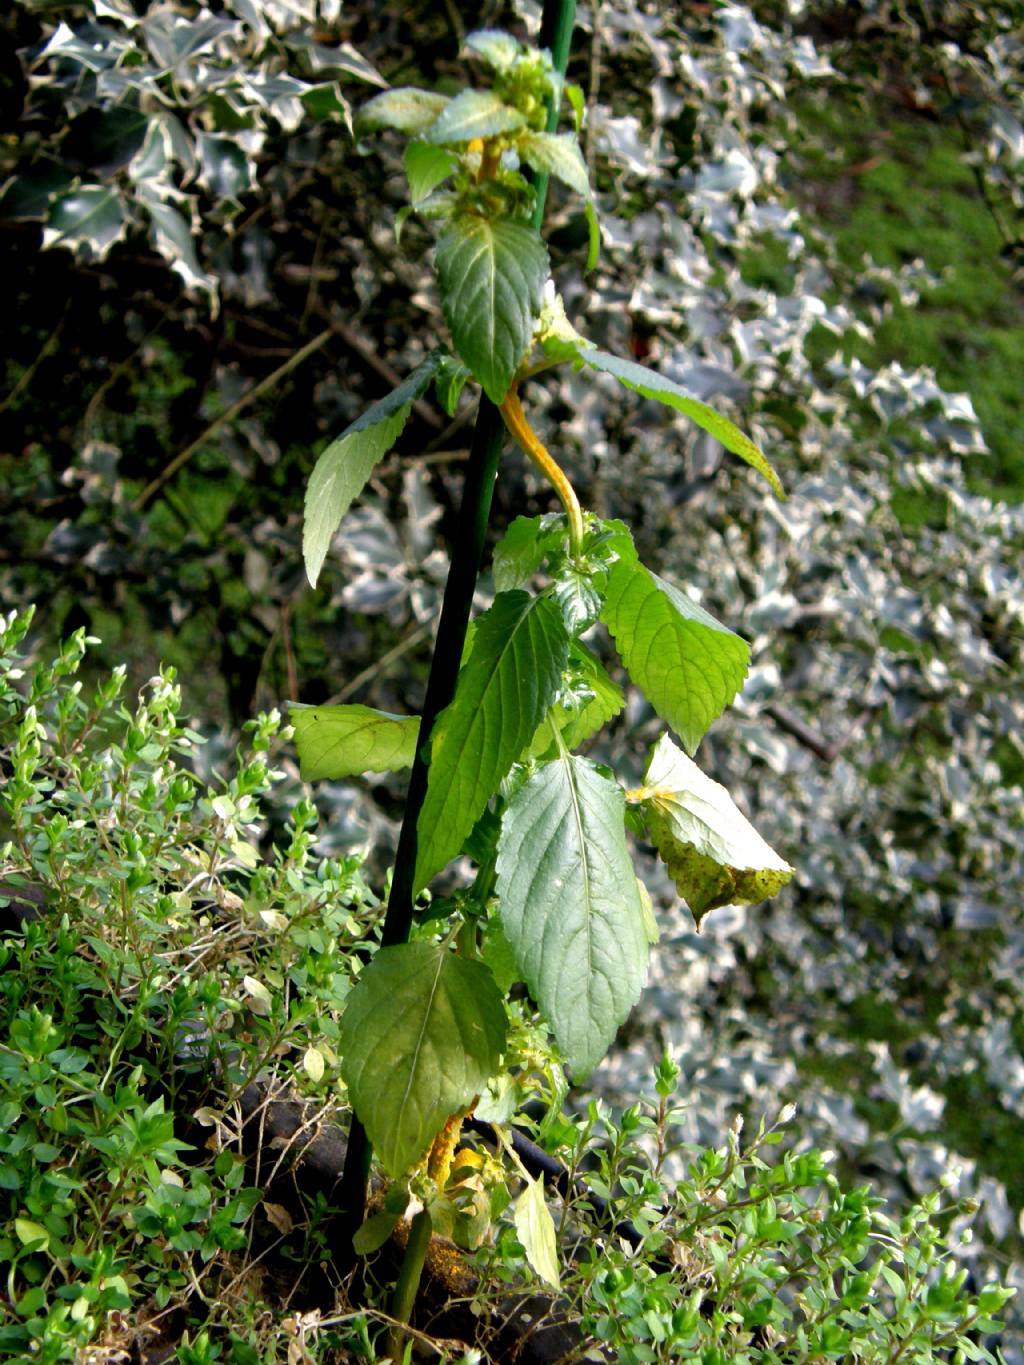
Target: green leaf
<point x="593" y="235"/>
<point x="556" y="154"/>
<point x="474" y="113"/>
<point x="422" y="1033"/>
<point x="574" y="94"/>
<point x="342" y="469"/>
<point x="449" y="382"/>
<point x="570" y="907"/>
<point x="31" y="1235"/>
<point x="499" y="50"/>
<point x="426" y="167"/>
<point x="687" y="664"/>
<point x="341" y="741"/>
<point x="491" y="275"/>
<point x="713" y="853"/>
<point x="535" y="1228"/>
<point x="502" y="694"/>
<point x="652" y="385"/>
<point x="599" y="699"/>
<point x="527" y="542"/>
<point x="375" y="1232"/>
<point x="406" y="108"/>
<point x="91" y="216"/>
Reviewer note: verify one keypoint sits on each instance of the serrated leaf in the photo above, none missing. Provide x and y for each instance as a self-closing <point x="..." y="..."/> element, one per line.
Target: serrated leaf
<point x="527" y="542"/>
<point x="499" y="50"/>
<point x="227" y="171"/>
<point x="426" y="167"/>
<point x="578" y="721"/>
<point x="91" y="216"/>
<point x="422" y="1033"/>
<point x="173" y="238"/>
<point x="405" y="108"/>
<point x="342" y="741"/>
<point x="491" y="275"/>
<point x="472" y="114"/>
<point x="652" y="385"/>
<point x="535" y="1228"/>
<point x="712" y="851"/>
<point x="556" y="154"/>
<point x="503" y="692"/>
<point x="688" y="665"/>
<point x="341" y="471"/>
<point x="569" y="905"/>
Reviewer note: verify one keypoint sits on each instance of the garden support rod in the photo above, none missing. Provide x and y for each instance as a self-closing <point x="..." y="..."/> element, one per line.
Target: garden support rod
<point x="556" y="31"/>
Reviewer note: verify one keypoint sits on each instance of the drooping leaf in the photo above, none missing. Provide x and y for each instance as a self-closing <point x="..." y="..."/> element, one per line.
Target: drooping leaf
<point x="594" y="700"/>
<point x="556" y="154"/>
<point x="422" y="1033"/>
<point x="449" y="382"/>
<point x="569" y="904"/>
<point x="688" y="665"/>
<point x="343" y="468"/>
<point x="491" y="275"/>
<point x="712" y="851"/>
<point x="652" y="385"/>
<point x="499" y="50"/>
<point x="91" y="216"/>
<point x="174" y="241"/>
<point x="472" y="114"/>
<point x="503" y="691"/>
<point x="341" y="741"/>
<point x="426" y="167"/>
<point x="405" y="108"/>
<point x="535" y="1228"/>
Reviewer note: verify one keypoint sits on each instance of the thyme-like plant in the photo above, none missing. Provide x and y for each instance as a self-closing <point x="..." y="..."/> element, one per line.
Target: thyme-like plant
<point x="555" y="903"/>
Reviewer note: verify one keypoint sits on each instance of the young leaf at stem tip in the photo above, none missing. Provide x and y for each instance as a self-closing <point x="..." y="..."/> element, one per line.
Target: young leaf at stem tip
<point x="422" y="1033"/>
<point x="503" y="692"/>
<point x="712" y="851"/>
<point x="569" y="905"/>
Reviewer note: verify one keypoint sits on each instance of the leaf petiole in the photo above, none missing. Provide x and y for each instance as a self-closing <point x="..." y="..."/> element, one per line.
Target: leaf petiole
<point x="515" y="419"/>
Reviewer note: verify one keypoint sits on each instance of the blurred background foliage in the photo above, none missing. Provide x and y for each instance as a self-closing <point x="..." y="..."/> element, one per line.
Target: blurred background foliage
<point x="812" y="218"/>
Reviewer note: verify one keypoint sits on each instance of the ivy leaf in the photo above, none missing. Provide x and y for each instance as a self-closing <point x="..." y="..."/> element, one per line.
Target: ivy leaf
<point x="405" y="108"/>
<point x="474" y="113"/>
<point x="502" y="694"/>
<point x="556" y="154"/>
<point x="342" y="741"/>
<point x="91" y="216"/>
<point x="342" y="469"/>
<point x="499" y="50"/>
<point x="422" y="1033"/>
<point x="535" y="1228"/>
<point x="599" y="700"/>
<point x="570" y="907"/>
<point x="491" y="275"/>
<point x="712" y="851"/>
<point x="652" y="385"/>
<point x="688" y="665"/>
<point x="426" y="167"/>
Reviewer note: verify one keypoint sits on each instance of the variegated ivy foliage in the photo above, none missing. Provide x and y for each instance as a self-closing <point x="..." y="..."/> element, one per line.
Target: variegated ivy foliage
<point x="425" y="1029"/>
<point x="168" y="113"/>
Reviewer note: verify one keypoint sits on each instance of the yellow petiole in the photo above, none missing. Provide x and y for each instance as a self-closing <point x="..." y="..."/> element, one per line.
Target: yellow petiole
<point x="515" y="419"/>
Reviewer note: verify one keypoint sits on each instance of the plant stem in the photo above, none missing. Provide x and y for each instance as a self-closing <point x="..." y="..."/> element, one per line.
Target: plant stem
<point x="408" y="1281"/>
<point x="556" y="32"/>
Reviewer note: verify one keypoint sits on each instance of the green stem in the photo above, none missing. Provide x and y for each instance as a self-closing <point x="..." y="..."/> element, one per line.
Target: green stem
<point x="408" y="1281"/>
<point x="467" y="551"/>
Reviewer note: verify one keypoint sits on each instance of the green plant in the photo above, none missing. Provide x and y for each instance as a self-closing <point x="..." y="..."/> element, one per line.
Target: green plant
<point x="555" y="902"/>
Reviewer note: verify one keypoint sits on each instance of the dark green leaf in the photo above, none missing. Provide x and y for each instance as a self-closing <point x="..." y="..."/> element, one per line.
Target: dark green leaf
<point x="524" y="547"/>
<point x="422" y="1033"/>
<point x="474" y="113"/>
<point x="92" y="216"/>
<point x="652" y="385"/>
<point x="491" y="275"/>
<point x="592" y="702"/>
<point x="343" y="468"/>
<point x="340" y="741"/>
<point x="687" y="664"/>
<point x="227" y="171"/>
<point x="503" y="692"/>
<point x="449" y="382"/>
<point x="570" y="906"/>
<point x="407" y="109"/>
